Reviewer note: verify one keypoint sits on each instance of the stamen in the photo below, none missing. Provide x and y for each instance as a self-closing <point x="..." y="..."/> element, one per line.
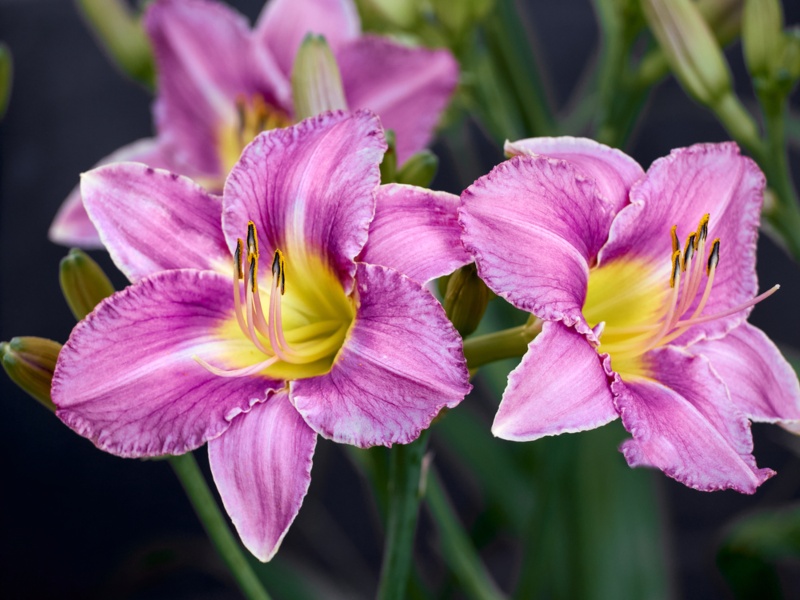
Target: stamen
<point x="713" y="257"/>
<point x="676" y="268"/>
<point x="676" y="245"/>
<point x="688" y="253"/>
<point x="243" y="372"/>
<point x="702" y="229"/>
<point x="252" y="239"/>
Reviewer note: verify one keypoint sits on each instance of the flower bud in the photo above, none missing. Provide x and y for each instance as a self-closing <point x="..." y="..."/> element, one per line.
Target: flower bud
<point x="724" y="18"/>
<point x="6" y="74"/>
<point x="119" y="30"/>
<point x="316" y="81"/>
<point x="762" y="36"/>
<point x="690" y="48"/>
<point x="389" y="164"/>
<point x="30" y="363"/>
<point x="465" y="299"/>
<point x="419" y="169"/>
<point x="790" y="58"/>
<point x="83" y="283"/>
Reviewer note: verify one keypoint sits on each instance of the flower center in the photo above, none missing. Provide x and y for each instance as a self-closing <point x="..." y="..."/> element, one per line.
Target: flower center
<point x="299" y="333"/>
<point x="253" y="115"/>
<point x="634" y="311"/>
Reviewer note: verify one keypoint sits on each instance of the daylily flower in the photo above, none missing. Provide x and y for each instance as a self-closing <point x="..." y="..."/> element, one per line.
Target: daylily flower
<point x="221" y="83"/>
<point x="637" y="323"/>
<point x="252" y="326"/>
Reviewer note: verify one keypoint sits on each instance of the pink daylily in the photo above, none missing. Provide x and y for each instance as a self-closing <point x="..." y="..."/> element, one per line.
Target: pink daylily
<point x="261" y="319"/>
<point x="637" y="324"/>
<point x="221" y="83"/>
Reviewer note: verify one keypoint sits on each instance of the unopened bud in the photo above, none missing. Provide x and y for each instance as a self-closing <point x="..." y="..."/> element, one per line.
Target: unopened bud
<point x="119" y="29"/>
<point x="83" y="283"/>
<point x="6" y="76"/>
<point x="419" y="169"/>
<point x="790" y="57"/>
<point x="316" y="81"/>
<point x="762" y="36"/>
<point x="724" y="18"/>
<point x="465" y="299"/>
<point x="389" y="164"/>
<point x="30" y="363"/>
<point x="691" y="50"/>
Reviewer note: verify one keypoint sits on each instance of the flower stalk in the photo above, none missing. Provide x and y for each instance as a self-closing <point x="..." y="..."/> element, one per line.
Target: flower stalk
<point x="193" y="482"/>
<point x="405" y="493"/>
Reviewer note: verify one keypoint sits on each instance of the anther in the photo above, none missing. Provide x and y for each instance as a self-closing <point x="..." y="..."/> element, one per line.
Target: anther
<point x="237" y="257"/>
<point x="676" y="245"/>
<point x="279" y="271"/>
<point x="691" y="246"/>
<point x="676" y="267"/>
<point x="252" y="239"/>
<point x="702" y="230"/>
<point x="713" y="257"/>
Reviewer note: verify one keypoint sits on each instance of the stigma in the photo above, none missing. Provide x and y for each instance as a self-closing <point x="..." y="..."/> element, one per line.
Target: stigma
<point x="693" y="266"/>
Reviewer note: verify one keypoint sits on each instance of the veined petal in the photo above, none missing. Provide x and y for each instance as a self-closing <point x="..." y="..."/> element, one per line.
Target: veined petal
<point x="72" y="226"/>
<point x="284" y="23"/>
<point x="684" y="423"/>
<point x="612" y="171"/>
<point x="309" y="189"/>
<point x="153" y="220"/>
<point x="206" y="61"/>
<point x="126" y="378"/>
<point x="534" y="224"/>
<point x="560" y="386"/>
<point x="262" y="468"/>
<point x="680" y="189"/>
<point x="415" y="231"/>
<point x="761" y="383"/>
<point x="400" y="365"/>
<point x="408" y="87"/>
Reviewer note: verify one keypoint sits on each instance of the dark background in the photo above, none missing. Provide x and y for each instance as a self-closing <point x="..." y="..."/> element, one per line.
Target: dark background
<point x="77" y="523"/>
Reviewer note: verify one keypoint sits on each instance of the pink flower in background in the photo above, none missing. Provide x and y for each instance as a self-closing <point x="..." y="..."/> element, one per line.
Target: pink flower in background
<point x="221" y="83"/>
<point x="638" y="324"/>
<point x="251" y="324"/>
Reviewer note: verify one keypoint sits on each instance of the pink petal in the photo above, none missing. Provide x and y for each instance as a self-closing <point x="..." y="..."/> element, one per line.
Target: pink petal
<point x="613" y="171"/>
<point x="683" y="422"/>
<point x="309" y="188"/>
<point x="284" y="23"/>
<point x="72" y="226"/>
<point x="533" y="225"/>
<point x="262" y="468"/>
<point x="152" y="220"/>
<point x="401" y="364"/>
<point x="680" y="189"/>
<point x="559" y="387"/>
<point x="206" y="60"/>
<point x="408" y="87"/>
<point x="415" y="231"/>
<point x="126" y="378"/>
<point x="761" y="383"/>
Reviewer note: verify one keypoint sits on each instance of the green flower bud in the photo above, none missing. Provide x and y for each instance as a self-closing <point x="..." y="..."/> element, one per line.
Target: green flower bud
<point x="83" y="283"/>
<point x="465" y="299"/>
<point x="691" y="50"/>
<point x="762" y="36"/>
<point x="419" y="169"/>
<point x="724" y="17"/>
<point x="30" y="363"/>
<point x="389" y="164"/>
<point x="6" y="75"/>
<point x="119" y="30"/>
<point x="790" y="57"/>
<point x="316" y="81"/>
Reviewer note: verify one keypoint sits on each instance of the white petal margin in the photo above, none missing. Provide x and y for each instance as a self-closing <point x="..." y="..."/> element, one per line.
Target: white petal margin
<point x="559" y="387"/>
<point x="262" y="468"/>
<point x="152" y="220"/>
<point x="401" y="364"/>
<point x="415" y="231"/>
<point x="613" y="171"/>
<point x="761" y="383"/>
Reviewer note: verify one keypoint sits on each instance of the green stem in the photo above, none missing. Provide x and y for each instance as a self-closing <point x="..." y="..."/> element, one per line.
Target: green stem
<point x="457" y="549"/>
<point x="513" y="57"/>
<point x="508" y="343"/>
<point x="187" y="470"/>
<point x="739" y="124"/>
<point x="404" y="497"/>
